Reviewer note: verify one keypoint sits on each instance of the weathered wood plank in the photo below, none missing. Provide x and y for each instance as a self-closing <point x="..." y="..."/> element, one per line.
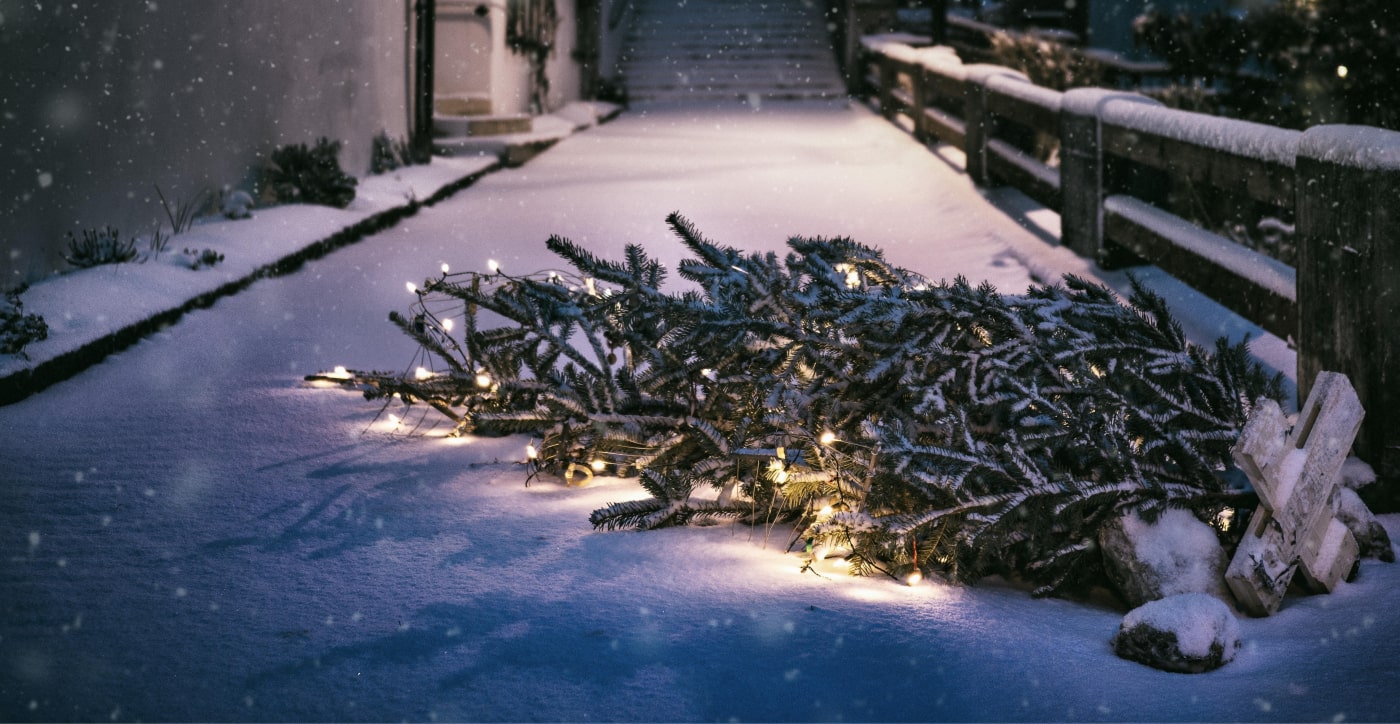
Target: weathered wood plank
<point x="1295" y="473"/>
<point x="1255" y="286"/>
<point x="1262" y="180"/>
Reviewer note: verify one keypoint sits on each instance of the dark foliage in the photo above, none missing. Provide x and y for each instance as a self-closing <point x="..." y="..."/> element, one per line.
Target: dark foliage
<point x="297" y="173"/>
<point x="18" y="329"/>
<point x="100" y="246"/>
<point x="1291" y="63"/>
<point x="390" y="153"/>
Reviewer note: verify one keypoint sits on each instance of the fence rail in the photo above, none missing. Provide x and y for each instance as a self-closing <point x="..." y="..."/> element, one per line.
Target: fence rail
<point x="1119" y="156"/>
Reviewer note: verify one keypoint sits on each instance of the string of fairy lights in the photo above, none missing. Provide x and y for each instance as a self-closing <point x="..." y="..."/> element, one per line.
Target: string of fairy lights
<point x="435" y="315"/>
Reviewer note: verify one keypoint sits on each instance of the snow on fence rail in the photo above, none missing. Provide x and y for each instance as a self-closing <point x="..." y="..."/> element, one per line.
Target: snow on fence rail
<point x="1119" y="156"/>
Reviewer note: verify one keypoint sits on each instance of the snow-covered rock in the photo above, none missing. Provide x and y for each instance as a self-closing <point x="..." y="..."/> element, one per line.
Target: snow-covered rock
<point x="1371" y="538"/>
<point x="1176" y="554"/>
<point x="1190" y="633"/>
<point x="236" y="204"/>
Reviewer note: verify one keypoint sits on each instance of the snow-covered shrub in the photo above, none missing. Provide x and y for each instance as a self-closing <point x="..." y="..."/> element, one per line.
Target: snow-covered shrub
<point x="100" y="246"/>
<point x="297" y="173"/>
<point x="945" y="428"/>
<point x="389" y="153"/>
<point x="203" y="258"/>
<point x="235" y="203"/>
<point x="18" y="329"/>
<point x="1046" y="63"/>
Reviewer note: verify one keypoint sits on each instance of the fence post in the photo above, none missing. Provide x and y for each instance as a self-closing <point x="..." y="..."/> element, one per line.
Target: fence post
<point x="1082" y="168"/>
<point x="1348" y="203"/>
<point x="863" y="17"/>
<point x="888" y="80"/>
<point x="979" y="125"/>
<point x="918" y="79"/>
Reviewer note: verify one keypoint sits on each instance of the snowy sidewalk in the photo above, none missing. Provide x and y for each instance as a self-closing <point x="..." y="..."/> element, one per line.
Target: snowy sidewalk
<point x="190" y="532"/>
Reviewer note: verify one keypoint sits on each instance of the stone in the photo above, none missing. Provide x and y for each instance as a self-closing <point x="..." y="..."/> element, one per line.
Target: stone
<point x="1370" y="535"/>
<point x="1190" y="633"/>
<point x="1176" y="554"/>
<point x="236" y="204"/>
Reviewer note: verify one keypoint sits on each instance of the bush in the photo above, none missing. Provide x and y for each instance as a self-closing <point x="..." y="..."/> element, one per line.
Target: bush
<point x="203" y="258"/>
<point x="18" y="329"/>
<point x="98" y="247"/>
<point x="312" y="175"/>
<point x="1046" y="63"/>
<point x="1291" y="63"/>
<point x="390" y="153"/>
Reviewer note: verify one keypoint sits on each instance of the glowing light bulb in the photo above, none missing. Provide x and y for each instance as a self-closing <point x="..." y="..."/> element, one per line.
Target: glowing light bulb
<point x="827" y="438"/>
<point x="531" y="453"/>
<point x="422" y="373"/>
<point x="444" y="267"/>
<point x="483" y="379"/>
<point x="493" y="265"/>
<point x="340" y="371"/>
<point x="914" y="578"/>
<point x="825" y="512"/>
<point x="412" y="288"/>
<point x="852" y="279"/>
<point x="1342" y="71"/>
<point x="447" y="325"/>
<point x="597" y="465"/>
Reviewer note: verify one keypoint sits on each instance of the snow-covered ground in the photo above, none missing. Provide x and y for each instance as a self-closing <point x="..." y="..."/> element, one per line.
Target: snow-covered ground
<point x="188" y="531"/>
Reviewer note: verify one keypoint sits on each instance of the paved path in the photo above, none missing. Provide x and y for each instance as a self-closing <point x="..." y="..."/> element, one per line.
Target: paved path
<point x="746" y="178"/>
<point x="191" y="534"/>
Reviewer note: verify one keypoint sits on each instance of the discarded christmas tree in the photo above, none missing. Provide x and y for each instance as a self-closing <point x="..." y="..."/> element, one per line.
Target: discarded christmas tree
<point x="909" y="426"/>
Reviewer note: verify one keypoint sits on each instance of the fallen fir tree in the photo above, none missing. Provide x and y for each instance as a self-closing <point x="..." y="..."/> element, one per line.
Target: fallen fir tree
<point x="943" y="428"/>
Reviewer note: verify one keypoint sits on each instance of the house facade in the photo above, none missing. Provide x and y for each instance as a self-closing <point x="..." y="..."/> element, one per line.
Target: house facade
<point x="101" y="102"/>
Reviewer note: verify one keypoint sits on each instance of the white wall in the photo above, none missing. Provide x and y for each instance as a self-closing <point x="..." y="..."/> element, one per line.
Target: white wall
<point x="100" y="99"/>
<point x="473" y="59"/>
<point x="464" y="48"/>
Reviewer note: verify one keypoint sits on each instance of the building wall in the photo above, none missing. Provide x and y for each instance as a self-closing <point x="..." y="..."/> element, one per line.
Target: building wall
<point x="474" y="60"/>
<point x="102" y="99"/>
<point x="464" y="47"/>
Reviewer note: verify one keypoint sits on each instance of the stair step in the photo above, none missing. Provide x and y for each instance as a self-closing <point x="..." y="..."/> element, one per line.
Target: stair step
<point x="699" y="50"/>
<point x="462" y="105"/>
<point x="456" y="125"/>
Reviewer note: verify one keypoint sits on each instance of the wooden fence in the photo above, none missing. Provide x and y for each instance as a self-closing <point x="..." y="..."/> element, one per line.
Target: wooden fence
<point x="1120" y="154"/>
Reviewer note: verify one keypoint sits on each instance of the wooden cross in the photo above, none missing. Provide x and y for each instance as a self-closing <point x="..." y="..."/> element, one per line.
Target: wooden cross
<point x="1295" y="474"/>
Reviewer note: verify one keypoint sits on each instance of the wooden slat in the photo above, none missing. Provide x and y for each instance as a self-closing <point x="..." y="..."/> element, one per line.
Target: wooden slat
<point x="1013" y="166"/>
<point x="1257" y="287"/>
<point x="1031" y="114"/>
<point x="947" y="127"/>
<point x="1262" y="180"/>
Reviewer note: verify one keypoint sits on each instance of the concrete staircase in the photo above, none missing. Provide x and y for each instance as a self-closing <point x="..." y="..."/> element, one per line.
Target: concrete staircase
<point x="710" y="50"/>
